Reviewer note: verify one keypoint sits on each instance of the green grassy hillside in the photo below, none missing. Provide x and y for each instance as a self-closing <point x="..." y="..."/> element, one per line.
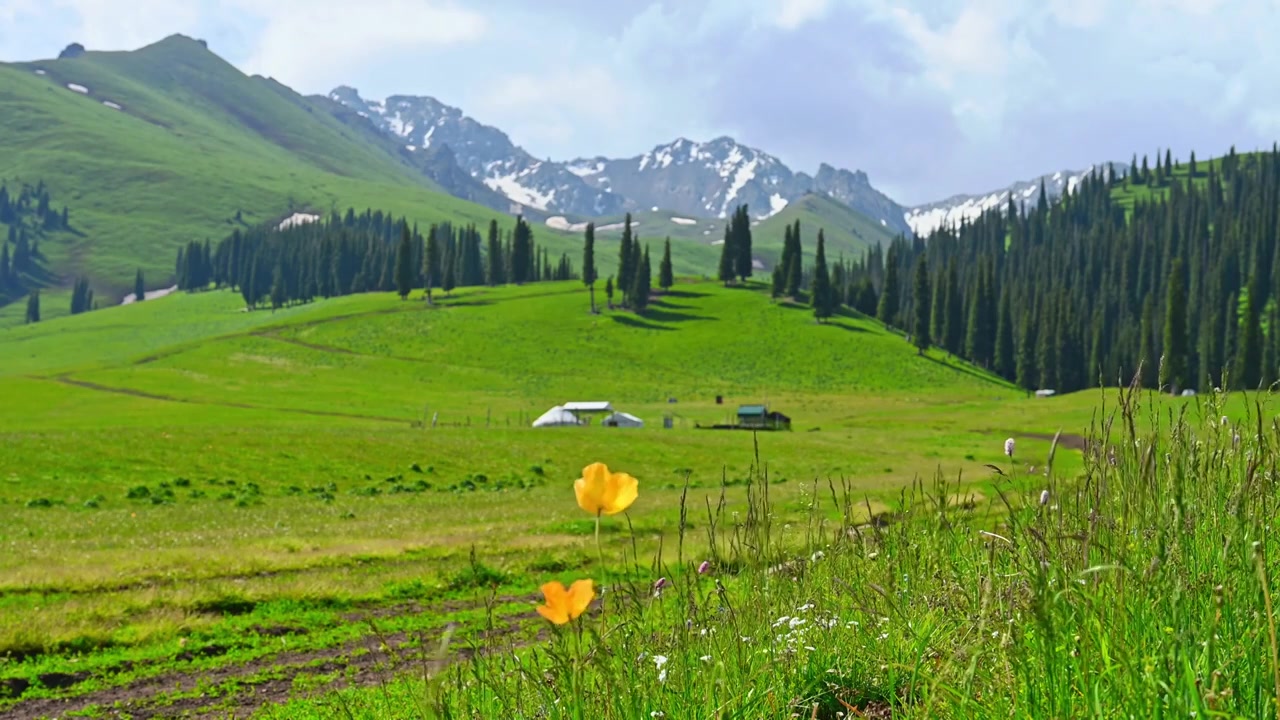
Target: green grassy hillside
<point x="193" y="143"/>
<point x="295" y="467"/>
<point x="847" y="232"/>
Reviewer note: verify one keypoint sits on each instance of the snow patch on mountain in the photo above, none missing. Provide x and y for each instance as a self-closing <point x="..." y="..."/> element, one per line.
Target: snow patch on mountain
<point x="929" y="218"/>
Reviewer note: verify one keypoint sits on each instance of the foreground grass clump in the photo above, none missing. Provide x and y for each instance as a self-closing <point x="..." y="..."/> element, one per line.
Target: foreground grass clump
<point x="1141" y="589"/>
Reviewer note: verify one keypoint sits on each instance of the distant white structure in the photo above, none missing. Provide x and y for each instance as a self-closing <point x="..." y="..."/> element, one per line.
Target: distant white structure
<point x="581" y="412"/>
<point x="593" y="406"/>
<point x="1045" y="393"/>
<point x="149" y="295"/>
<point x="298" y="218"/>
<point x="556" y="417"/>
<point x="621" y="419"/>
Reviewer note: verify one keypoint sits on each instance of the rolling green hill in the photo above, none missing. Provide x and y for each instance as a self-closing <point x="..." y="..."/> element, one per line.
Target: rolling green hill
<point x="847" y="232"/>
<point x="187" y="148"/>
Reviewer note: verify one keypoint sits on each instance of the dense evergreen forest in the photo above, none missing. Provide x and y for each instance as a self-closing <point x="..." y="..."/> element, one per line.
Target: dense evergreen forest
<point x="27" y="215"/>
<point x="1172" y="274"/>
<point x="373" y="251"/>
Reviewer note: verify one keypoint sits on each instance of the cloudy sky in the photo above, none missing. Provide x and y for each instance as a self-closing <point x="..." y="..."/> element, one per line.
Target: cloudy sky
<point x="929" y="97"/>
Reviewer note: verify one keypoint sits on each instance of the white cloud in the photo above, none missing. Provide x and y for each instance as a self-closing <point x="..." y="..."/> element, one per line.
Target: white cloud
<point x="794" y="13"/>
<point x="116" y="25"/>
<point x="549" y="108"/>
<point x="307" y="43"/>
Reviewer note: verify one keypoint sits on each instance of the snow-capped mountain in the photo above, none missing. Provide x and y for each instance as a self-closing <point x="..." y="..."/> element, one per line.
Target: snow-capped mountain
<point x="484" y="152"/>
<point x="710" y="179"/>
<point x="925" y="219"/>
<point x="701" y="179"/>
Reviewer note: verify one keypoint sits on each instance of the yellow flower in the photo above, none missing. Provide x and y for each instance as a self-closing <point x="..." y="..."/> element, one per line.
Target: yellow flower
<point x="565" y="605"/>
<point x="602" y="492"/>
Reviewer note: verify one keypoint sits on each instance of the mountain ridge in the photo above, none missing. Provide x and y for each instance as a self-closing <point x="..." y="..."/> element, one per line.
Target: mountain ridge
<point x="703" y="179"/>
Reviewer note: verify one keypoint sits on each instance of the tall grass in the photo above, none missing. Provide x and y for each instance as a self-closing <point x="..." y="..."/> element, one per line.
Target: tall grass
<point x="1139" y="589"/>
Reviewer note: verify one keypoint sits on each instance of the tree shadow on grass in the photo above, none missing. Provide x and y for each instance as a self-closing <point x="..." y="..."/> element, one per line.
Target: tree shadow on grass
<point x="964" y="369"/>
<point x="633" y="321"/>
<point x="684" y="294"/>
<point x="669" y="305"/>
<point x="446" y="302"/>
<point x="664" y="316"/>
<point x="846" y="327"/>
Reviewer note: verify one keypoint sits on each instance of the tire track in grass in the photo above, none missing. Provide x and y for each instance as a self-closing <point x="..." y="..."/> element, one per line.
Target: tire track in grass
<point x="237" y="690"/>
<point x="68" y="380"/>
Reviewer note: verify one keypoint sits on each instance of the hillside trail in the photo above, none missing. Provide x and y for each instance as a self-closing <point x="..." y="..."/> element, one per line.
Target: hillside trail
<point x="238" y="690"/>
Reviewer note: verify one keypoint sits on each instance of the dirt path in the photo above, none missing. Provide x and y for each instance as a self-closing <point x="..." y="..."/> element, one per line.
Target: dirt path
<point x="238" y="690"/>
<point x="67" y="380"/>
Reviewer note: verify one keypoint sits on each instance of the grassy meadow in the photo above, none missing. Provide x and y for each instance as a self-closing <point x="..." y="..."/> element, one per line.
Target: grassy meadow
<point x="196" y="500"/>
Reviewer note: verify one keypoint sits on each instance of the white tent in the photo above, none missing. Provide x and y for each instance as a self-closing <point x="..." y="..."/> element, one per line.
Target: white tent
<point x="621" y="419"/>
<point x="592" y="406"/>
<point x="555" y="417"/>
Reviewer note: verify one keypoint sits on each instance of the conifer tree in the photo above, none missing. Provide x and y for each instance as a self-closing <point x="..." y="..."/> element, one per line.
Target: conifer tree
<point x="1247" y="374"/>
<point x="1005" y="364"/>
<point x="1149" y="363"/>
<point x="431" y="258"/>
<point x="589" y="262"/>
<point x="139" y="288"/>
<point x="921" y="300"/>
<point x="1173" y="369"/>
<point x="522" y="250"/>
<point x="776" y="282"/>
<point x="795" y="266"/>
<point x="33" y="307"/>
<point x="278" y="296"/>
<point x="953" y="324"/>
<point x="1047" y="351"/>
<point x="821" y="295"/>
<point x="938" y="310"/>
<point x="6" y="275"/>
<point x="626" y="256"/>
<point x="1026" y="370"/>
<point x="448" y="276"/>
<point x="727" y="255"/>
<point x="493" y="255"/>
<point x="404" y="267"/>
<point x="666" y="276"/>
<point x="639" y="295"/>
<point x="742" y="243"/>
<point x="888" y="310"/>
<point x="608" y="291"/>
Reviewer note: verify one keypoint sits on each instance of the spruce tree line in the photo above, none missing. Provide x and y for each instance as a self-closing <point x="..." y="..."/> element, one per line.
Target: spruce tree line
<point x="373" y="251"/>
<point x="1169" y="274"/>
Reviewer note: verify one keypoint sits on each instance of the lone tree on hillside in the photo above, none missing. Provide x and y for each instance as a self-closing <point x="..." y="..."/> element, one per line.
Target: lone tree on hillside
<point x="589" y="262"/>
<point x="741" y="232"/>
<point x="666" y="278"/>
<point x="823" y="301"/>
<point x="139" y="288"/>
<point x="626" y="260"/>
<point x="725" y="271"/>
<point x="920" y="306"/>
<point x="404" y="264"/>
<point x="33" y="307"/>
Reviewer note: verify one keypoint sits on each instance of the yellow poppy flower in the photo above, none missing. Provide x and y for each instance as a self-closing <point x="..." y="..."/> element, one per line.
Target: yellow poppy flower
<point x="602" y="492"/>
<point x="565" y="605"/>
